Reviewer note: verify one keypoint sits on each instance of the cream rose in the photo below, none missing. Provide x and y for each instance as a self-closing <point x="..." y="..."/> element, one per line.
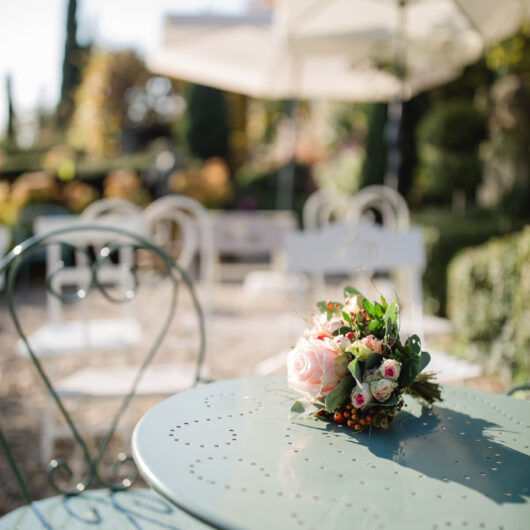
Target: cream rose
<point x="382" y="389"/>
<point x="375" y="345"/>
<point x="390" y="369"/>
<point x="314" y="367"/>
<point x="359" y="350"/>
<point x="361" y="396"/>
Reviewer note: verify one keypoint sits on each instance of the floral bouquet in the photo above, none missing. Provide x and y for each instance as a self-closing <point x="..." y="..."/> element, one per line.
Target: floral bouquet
<point x="351" y="366"/>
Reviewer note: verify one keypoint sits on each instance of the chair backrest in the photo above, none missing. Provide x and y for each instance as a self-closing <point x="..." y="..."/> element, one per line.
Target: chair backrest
<point x="110" y="206"/>
<point x="75" y="271"/>
<point x="322" y="207"/>
<point x="182" y="226"/>
<point x="250" y="236"/>
<point x="350" y="248"/>
<point x="382" y="200"/>
<point x="178" y="280"/>
<point x="373" y="203"/>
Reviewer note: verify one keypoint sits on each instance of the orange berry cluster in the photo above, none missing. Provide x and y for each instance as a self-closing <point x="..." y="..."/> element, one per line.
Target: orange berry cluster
<point x="378" y="417"/>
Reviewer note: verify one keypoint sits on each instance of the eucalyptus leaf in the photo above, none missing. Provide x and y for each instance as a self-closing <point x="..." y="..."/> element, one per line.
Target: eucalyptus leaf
<point x="425" y="359"/>
<point x="390" y="402"/>
<point x="373" y="360"/>
<point x="337" y="396"/>
<point x="302" y="408"/>
<point x="342" y="331"/>
<point x="355" y="370"/>
<point x="409" y="371"/>
<point x="415" y="344"/>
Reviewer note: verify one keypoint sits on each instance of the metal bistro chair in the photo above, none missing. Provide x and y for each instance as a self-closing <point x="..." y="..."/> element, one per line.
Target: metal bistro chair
<point x="115" y="504"/>
<point x="182" y="227"/>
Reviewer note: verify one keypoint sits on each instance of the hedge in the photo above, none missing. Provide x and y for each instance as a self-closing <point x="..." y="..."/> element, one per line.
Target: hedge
<point x="489" y="304"/>
<point x="446" y="233"/>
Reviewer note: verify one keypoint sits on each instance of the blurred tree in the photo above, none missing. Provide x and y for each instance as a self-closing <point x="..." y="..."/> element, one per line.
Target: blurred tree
<point x="207" y="122"/>
<point x="449" y="138"/>
<point x="374" y="166"/>
<point x="237" y="122"/>
<point x="411" y="113"/>
<point x="120" y="107"/>
<point x="71" y="65"/>
<point x="11" y="140"/>
<point x="507" y="154"/>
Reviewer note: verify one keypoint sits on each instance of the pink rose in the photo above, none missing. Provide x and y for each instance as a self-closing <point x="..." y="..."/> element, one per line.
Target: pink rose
<point x="322" y="327"/>
<point x="382" y="389"/>
<point x="375" y="345"/>
<point x="314" y="367"/>
<point x="361" y="396"/>
<point x="390" y="369"/>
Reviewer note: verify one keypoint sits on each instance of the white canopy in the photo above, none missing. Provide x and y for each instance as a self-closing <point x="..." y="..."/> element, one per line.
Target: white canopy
<point x="336" y="49"/>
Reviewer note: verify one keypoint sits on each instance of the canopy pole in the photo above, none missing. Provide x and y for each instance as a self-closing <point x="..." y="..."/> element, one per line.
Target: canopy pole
<point x="285" y="183"/>
<point x="395" y="108"/>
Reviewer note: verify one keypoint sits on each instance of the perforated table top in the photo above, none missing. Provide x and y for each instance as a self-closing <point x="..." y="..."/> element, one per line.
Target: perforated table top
<point x="229" y="454"/>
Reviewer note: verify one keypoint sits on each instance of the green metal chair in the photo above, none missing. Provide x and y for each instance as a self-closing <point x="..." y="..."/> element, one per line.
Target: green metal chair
<point x="100" y="495"/>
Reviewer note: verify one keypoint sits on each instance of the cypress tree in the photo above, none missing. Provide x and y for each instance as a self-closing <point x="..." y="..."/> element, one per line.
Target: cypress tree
<point x="71" y="65"/>
<point x="207" y="122"/>
<point x="10" y="136"/>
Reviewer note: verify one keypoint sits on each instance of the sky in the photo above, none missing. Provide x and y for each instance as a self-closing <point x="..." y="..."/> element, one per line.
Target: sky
<point x="32" y="34"/>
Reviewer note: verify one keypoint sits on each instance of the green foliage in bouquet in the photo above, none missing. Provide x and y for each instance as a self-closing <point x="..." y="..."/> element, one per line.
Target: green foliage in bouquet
<point x="352" y="366"/>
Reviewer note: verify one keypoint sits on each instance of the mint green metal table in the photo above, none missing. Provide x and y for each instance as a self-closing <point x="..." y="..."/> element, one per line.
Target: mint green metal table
<point x="228" y="454"/>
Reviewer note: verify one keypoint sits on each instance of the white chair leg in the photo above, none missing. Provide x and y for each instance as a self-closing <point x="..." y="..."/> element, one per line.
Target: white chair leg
<point x="47" y="432"/>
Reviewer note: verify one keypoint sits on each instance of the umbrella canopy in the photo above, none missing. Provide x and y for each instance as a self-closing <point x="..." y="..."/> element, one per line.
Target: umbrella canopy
<point x="414" y="38"/>
<point x="253" y="56"/>
<point x="362" y="50"/>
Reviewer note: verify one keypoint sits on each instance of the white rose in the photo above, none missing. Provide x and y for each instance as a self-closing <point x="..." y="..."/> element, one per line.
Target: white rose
<point x="341" y="342"/>
<point x="390" y="369"/>
<point x="361" y="396"/>
<point x="382" y="389"/>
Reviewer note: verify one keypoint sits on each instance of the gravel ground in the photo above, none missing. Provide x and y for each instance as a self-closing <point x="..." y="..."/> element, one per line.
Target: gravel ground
<point x="242" y="331"/>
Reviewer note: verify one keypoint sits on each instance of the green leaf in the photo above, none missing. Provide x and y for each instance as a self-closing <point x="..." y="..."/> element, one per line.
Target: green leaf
<point x="355" y="370"/>
<point x="390" y="318"/>
<point x="414" y="343"/>
<point x="303" y="407"/>
<point x="373" y="360"/>
<point x="409" y="371"/>
<point x="425" y="359"/>
<point x="350" y="291"/>
<point x="369" y="308"/>
<point x="379" y="310"/>
<point x="347" y="318"/>
<point x="375" y="324"/>
<point x="342" y="331"/>
<point x="337" y="396"/>
<point x="383" y="302"/>
<point x="390" y="402"/>
<point x="322" y="306"/>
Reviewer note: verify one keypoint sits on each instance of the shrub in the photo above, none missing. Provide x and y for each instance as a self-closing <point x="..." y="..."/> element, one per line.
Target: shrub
<point x="445" y="234"/>
<point x="448" y="139"/>
<point x="488" y="302"/>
